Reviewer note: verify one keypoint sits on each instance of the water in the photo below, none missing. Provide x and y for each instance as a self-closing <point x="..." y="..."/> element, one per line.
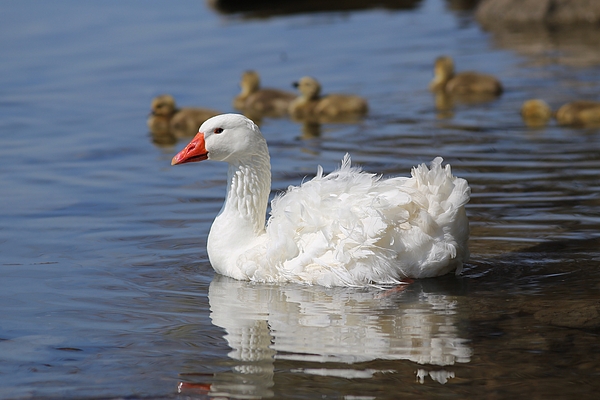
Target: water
<point x="105" y="286"/>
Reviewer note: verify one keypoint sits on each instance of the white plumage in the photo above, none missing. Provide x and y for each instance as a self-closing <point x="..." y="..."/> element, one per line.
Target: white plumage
<point x="347" y="228"/>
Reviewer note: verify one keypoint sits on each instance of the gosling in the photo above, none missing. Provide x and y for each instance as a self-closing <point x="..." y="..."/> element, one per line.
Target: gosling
<point x="582" y="113"/>
<point x="464" y="83"/>
<point x="310" y="105"/>
<point x="166" y="118"/>
<point x="536" y="112"/>
<point x="262" y="102"/>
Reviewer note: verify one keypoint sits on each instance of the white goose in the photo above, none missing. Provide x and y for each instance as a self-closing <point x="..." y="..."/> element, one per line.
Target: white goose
<point x="348" y="228"/>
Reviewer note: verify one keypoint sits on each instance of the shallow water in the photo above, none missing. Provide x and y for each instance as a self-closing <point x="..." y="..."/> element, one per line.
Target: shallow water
<point x="105" y="286"/>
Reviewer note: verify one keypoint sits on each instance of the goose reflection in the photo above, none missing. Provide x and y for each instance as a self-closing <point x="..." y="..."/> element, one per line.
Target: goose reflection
<point x="310" y="324"/>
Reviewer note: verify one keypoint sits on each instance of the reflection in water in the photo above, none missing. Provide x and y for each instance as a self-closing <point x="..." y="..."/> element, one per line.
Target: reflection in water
<point x="553" y="14"/>
<point x="311" y="130"/>
<point x="574" y="46"/>
<point x="438" y="376"/>
<point x="349" y="118"/>
<point x="266" y="323"/>
<point x="165" y="139"/>
<point x="311" y="127"/>
<point x="445" y="103"/>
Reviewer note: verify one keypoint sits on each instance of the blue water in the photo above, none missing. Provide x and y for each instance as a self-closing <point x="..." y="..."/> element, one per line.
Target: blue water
<point x="105" y="286"/>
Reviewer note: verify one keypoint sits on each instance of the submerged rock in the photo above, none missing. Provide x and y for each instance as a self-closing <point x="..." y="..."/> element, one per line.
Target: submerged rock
<point x="582" y="314"/>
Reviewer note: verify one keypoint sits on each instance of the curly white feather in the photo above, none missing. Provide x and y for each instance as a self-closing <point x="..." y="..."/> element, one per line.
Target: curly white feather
<point x="355" y="228"/>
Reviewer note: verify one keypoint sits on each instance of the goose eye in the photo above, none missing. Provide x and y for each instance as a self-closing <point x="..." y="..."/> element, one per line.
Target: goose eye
<point x="218" y="130"/>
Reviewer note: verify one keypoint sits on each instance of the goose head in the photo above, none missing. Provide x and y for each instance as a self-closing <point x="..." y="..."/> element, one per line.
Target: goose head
<point x="163" y="105"/>
<point x="443" y="71"/>
<point x="250" y="82"/>
<point x="227" y="137"/>
<point x="308" y="87"/>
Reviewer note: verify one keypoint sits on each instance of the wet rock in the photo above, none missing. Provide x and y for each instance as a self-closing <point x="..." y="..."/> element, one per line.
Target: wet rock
<point x="548" y="12"/>
<point x="267" y="8"/>
<point x="579" y="314"/>
<point x="461" y="5"/>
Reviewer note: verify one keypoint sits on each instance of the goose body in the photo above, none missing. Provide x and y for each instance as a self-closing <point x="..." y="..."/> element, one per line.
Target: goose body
<point x="347" y="228"/>
<point x="464" y="83"/>
<point x="579" y="113"/>
<point x="166" y="118"/>
<point x="262" y="102"/>
<point x="311" y="106"/>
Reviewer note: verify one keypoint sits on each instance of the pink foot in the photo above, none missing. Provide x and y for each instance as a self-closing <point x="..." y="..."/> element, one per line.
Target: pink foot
<point x="404" y="282"/>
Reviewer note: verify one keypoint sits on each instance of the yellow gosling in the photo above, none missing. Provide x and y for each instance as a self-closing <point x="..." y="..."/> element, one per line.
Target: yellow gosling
<point x="166" y="118"/>
<point x="464" y="83"/>
<point x="579" y="113"/>
<point x="265" y="102"/>
<point x="310" y="105"/>
<point x="536" y="112"/>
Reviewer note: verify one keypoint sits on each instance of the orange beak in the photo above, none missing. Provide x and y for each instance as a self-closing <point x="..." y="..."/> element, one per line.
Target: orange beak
<point x="195" y="151"/>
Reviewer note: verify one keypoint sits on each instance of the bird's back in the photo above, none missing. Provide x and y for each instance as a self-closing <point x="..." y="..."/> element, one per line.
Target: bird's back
<point x="270" y="102"/>
<point x="185" y="122"/>
<point x="355" y="228"/>
<point x="579" y="113"/>
<point x="474" y="82"/>
<point x="339" y="104"/>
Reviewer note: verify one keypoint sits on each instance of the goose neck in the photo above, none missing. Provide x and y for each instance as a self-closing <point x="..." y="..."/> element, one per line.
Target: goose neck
<point x="249" y="185"/>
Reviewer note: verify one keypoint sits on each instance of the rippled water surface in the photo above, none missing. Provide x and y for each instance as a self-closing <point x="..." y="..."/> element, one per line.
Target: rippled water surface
<point x="105" y="286"/>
